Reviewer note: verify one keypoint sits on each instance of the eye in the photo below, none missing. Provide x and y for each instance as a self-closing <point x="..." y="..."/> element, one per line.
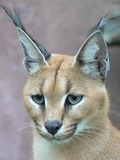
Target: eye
<point x="73" y="99"/>
<point x="39" y="99"/>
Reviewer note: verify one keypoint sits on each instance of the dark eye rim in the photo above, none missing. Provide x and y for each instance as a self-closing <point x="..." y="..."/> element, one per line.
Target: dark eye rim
<point x="36" y="96"/>
<point x="69" y="103"/>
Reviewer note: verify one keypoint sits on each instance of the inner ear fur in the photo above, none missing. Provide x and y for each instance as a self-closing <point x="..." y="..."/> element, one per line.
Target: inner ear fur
<point x="34" y="58"/>
<point x="92" y="57"/>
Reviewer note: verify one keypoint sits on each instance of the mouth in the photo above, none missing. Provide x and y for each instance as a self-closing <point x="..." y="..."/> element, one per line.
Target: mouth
<point x="58" y="138"/>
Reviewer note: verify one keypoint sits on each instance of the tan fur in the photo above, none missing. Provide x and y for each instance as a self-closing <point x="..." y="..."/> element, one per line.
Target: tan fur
<point x="100" y="141"/>
<point x="74" y="131"/>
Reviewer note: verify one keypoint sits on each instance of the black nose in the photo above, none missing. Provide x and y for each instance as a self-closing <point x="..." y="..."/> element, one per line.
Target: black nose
<point x="52" y="126"/>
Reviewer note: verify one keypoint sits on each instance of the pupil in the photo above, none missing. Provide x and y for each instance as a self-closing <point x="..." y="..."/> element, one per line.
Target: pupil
<point x="39" y="97"/>
<point x="74" y="98"/>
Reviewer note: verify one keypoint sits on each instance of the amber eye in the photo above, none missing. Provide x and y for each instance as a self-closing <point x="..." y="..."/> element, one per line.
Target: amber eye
<point x="39" y="99"/>
<point x="74" y="99"/>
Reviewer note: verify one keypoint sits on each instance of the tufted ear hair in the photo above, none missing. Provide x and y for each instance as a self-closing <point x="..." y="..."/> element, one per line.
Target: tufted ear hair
<point x="35" y="54"/>
<point x="92" y="57"/>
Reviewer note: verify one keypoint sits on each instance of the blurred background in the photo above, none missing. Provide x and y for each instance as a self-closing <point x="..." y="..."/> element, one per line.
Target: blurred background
<point x="60" y="26"/>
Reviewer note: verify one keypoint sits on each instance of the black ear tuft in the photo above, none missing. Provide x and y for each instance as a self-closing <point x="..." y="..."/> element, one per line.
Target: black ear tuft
<point x="109" y="25"/>
<point x="104" y="22"/>
<point x="15" y="18"/>
<point x="17" y="22"/>
<point x="35" y="53"/>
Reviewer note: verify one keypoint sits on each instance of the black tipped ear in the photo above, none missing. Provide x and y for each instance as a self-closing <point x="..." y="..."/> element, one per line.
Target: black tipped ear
<point x="35" y="54"/>
<point x="92" y="57"/>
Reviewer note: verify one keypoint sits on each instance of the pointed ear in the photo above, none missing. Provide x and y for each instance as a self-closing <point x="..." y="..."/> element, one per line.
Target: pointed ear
<point x="92" y="57"/>
<point x="35" y="54"/>
<point x="34" y="58"/>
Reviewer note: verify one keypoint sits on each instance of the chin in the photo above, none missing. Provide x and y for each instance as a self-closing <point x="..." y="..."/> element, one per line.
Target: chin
<point x="57" y="140"/>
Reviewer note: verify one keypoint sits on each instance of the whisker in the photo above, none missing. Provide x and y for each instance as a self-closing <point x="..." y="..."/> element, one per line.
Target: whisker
<point x="115" y="113"/>
<point x="70" y="127"/>
<point x="93" y="143"/>
<point x="99" y="134"/>
<point x="16" y="100"/>
<point x="86" y="144"/>
<point x="24" y="128"/>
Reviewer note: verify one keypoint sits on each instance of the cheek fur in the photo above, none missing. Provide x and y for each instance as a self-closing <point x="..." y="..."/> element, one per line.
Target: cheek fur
<point x="93" y="104"/>
<point x="32" y="108"/>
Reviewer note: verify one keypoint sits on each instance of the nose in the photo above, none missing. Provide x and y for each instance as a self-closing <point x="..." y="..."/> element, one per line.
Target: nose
<point x="52" y="126"/>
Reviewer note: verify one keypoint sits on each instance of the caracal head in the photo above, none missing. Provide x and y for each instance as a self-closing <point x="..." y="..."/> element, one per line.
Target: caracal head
<point x="64" y="95"/>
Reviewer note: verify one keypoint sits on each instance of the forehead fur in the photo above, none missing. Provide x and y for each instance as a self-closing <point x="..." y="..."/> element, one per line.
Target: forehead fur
<point x="60" y="76"/>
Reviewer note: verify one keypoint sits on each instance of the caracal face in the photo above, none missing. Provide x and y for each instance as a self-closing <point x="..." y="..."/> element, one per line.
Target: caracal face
<point x="68" y="96"/>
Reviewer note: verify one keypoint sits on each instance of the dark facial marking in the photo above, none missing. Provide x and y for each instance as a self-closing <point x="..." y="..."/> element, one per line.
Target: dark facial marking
<point x="56" y="73"/>
<point x="68" y="86"/>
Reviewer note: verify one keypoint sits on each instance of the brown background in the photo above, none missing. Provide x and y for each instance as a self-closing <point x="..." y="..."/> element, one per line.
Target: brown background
<point x="61" y="26"/>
